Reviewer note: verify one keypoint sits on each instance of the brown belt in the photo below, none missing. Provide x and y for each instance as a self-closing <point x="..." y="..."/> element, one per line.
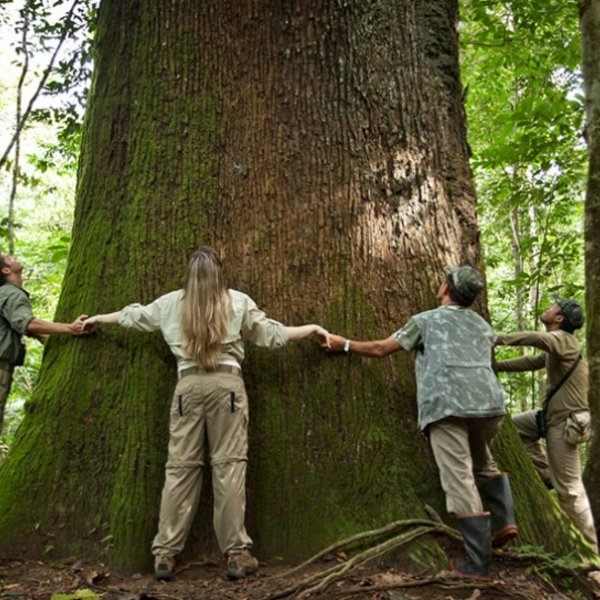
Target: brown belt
<point x="218" y="369"/>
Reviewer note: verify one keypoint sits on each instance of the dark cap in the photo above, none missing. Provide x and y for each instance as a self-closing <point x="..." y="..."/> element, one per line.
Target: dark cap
<point x="466" y="280"/>
<point x="572" y="311"/>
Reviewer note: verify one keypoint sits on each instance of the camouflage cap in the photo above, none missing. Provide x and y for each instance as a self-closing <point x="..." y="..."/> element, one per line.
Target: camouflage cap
<point x="466" y="279"/>
<point x="572" y="311"/>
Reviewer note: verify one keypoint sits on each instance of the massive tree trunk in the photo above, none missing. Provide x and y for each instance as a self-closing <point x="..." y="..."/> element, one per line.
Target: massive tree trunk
<point x="320" y="147"/>
<point x="590" y="30"/>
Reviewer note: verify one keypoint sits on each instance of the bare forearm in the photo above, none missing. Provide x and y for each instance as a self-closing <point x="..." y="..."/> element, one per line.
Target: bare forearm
<point x="38" y="327"/>
<point x="301" y="331"/>
<point x="374" y="348"/>
<point x="90" y="324"/>
<point x="107" y="318"/>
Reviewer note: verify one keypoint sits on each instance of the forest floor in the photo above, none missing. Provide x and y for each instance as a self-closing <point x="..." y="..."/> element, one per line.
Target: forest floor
<point x="72" y="579"/>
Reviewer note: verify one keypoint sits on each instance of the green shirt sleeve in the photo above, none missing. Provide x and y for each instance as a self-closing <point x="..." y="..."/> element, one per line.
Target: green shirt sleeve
<point x="524" y="363"/>
<point x="16" y="309"/>
<point x="548" y="342"/>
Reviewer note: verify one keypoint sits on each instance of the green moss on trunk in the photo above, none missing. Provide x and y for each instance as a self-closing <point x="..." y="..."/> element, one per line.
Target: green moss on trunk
<point x="321" y="150"/>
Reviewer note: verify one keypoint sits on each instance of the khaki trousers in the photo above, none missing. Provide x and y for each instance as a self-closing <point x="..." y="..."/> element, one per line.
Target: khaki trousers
<point x="461" y="448"/>
<point x="562" y="465"/>
<point x="212" y="407"/>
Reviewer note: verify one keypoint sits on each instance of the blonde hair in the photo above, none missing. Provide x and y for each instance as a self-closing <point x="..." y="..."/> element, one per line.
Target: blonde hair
<point x="205" y="308"/>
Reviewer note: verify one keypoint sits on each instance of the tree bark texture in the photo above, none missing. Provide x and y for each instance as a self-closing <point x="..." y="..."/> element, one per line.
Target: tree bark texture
<point x="320" y="147"/>
<point x="590" y="30"/>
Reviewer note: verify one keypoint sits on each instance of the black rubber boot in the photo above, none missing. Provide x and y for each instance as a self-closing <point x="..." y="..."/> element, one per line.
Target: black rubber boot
<point x="476" y="535"/>
<point x="497" y="498"/>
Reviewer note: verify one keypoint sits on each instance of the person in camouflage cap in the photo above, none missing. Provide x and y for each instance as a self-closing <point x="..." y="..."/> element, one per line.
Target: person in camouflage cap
<point x="565" y="403"/>
<point x="460" y="407"/>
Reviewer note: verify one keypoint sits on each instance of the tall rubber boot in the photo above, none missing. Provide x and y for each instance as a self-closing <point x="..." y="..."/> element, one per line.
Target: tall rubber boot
<point x="476" y="534"/>
<point x="497" y="498"/>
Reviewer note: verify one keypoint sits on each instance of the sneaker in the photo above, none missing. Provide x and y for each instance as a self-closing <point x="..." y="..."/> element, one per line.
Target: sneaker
<point x="164" y="567"/>
<point x="240" y="564"/>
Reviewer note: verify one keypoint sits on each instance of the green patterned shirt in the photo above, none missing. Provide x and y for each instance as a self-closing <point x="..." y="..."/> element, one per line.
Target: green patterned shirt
<point x="453" y="364"/>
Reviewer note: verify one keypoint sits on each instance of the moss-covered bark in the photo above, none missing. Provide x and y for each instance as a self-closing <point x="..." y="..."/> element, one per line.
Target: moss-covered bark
<point x="320" y="148"/>
<point x="590" y="30"/>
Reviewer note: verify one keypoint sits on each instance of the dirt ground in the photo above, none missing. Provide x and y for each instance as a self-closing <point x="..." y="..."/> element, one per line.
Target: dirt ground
<point x="72" y="579"/>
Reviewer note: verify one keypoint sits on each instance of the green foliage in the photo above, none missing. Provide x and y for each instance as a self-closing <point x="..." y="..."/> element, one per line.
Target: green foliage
<point x="520" y="63"/>
<point x="44" y="217"/>
<point x="63" y="96"/>
<point x="50" y="148"/>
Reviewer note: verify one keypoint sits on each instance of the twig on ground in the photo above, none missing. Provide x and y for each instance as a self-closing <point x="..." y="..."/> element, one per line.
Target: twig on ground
<point x="436" y="581"/>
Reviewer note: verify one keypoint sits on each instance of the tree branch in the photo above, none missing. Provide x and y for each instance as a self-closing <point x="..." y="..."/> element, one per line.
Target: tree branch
<point x="41" y="84"/>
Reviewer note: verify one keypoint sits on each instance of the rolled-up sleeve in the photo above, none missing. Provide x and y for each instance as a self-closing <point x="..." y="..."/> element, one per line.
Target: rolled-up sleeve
<point x="141" y="318"/>
<point x="260" y="330"/>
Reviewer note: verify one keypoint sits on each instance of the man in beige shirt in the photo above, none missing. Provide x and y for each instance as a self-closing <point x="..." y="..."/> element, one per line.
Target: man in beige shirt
<point x="559" y="466"/>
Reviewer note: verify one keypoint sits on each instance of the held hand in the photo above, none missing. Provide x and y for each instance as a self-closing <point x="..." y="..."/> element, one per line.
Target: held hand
<point x="322" y="336"/>
<point x="90" y="323"/>
<point x="336" y="343"/>
<point x="77" y="326"/>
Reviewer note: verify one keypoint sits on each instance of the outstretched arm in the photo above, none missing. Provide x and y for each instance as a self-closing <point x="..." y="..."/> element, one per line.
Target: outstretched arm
<point x="39" y="327"/>
<point x="302" y="331"/>
<point x="89" y="323"/>
<point x="375" y="348"/>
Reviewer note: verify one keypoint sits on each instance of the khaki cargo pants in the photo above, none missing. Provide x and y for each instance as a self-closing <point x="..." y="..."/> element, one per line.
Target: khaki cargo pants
<point x="461" y="448"/>
<point x="562" y="465"/>
<point x="209" y="407"/>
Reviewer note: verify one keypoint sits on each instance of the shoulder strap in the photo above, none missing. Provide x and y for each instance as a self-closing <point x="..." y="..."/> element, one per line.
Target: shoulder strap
<point x="563" y="379"/>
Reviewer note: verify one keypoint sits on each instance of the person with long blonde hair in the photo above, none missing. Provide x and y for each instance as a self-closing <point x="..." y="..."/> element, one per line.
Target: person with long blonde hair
<point x="205" y="325"/>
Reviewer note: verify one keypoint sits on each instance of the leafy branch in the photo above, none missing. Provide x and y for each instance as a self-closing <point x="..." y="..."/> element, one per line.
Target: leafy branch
<point x="22" y="118"/>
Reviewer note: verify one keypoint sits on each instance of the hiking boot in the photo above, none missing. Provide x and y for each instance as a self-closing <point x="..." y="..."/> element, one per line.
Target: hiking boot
<point x="476" y="535"/>
<point x="497" y="498"/>
<point x="240" y="564"/>
<point x="164" y="567"/>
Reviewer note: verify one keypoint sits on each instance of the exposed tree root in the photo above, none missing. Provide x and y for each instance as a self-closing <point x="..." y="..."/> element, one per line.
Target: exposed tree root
<point x="410" y="530"/>
<point x="372" y="534"/>
<point x="319" y="581"/>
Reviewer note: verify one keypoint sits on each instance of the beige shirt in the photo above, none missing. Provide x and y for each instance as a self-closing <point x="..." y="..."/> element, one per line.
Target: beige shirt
<point x="248" y="323"/>
<point x="561" y="350"/>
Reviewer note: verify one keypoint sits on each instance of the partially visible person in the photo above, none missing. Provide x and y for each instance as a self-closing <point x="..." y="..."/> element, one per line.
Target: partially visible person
<point x="205" y="325"/>
<point x="564" y="402"/>
<point x="461" y="408"/>
<point x="17" y="320"/>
